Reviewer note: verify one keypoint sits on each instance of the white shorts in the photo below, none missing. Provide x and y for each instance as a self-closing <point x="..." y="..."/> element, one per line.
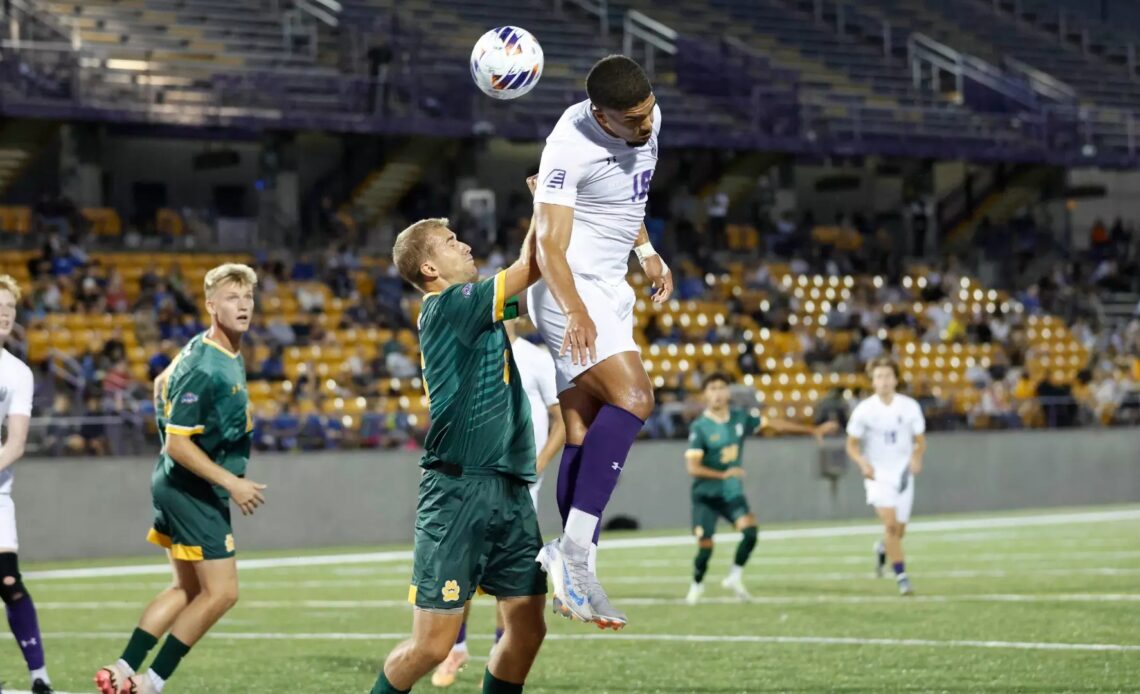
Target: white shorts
<point x="534" y="490"/>
<point x="885" y="492"/>
<point x="610" y="307"/>
<point x="8" y="538"/>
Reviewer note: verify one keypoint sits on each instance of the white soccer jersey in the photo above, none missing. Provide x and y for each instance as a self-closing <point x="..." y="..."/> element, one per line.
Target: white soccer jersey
<point x="606" y="181"/>
<point x="536" y="368"/>
<point x="887" y="432"/>
<point x="15" y="398"/>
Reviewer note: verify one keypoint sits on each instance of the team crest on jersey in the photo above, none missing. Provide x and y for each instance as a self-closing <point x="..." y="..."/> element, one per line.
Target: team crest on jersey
<point x="467" y="289"/>
<point x="450" y="591"/>
<point x="189" y="398"/>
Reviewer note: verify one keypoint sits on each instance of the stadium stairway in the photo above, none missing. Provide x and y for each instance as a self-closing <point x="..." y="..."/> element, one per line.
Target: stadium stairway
<point x="383" y="188"/>
<point x="739" y="177"/>
<point x="20" y="142"/>
<point x="1000" y="206"/>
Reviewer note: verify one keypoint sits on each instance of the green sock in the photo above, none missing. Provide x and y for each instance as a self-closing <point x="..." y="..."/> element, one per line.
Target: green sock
<point x="171" y="653"/>
<point x="701" y="563"/>
<point x="383" y="686"/>
<point x="137" y="648"/>
<point x="494" y="685"/>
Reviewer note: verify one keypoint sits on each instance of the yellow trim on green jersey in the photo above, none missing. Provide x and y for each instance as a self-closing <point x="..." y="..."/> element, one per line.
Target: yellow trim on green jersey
<point x="223" y="350"/>
<point x="156" y="538"/>
<point x="186" y="553"/>
<point x="185" y="431"/>
<point x="500" y="301"/>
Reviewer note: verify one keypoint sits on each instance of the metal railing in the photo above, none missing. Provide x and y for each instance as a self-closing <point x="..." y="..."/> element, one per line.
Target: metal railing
<point x="653" y="35"/>
<point x="1040" y="82"/>
<point x="924" y="50"/>
<point x="596" y="8"/>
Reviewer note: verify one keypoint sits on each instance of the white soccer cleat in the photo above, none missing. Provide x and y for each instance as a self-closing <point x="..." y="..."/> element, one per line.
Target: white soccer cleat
<point x="734" y="584"/>
<point x="568" y="568"/>
<point x="111" y="679"/>
<point x="696" y="592"/>
<point x="139" y="684"/>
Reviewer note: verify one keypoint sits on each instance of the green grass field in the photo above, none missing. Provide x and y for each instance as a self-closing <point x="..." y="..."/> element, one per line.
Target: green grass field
<point x="1025" y="603"/>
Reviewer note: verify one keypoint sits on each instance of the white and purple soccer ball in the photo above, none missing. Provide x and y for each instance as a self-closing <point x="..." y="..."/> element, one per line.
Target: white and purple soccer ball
<point x="506" y="62"/>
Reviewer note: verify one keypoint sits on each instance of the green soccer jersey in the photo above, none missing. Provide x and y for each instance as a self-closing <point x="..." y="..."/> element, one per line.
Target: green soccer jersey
<point x="480" y="417"/>
<point x="721" y="444"/>
<point x="206" y="399"/>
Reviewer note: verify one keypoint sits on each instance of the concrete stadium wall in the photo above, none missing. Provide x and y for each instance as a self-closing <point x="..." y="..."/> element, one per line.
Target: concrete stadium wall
<point x="82" y="508"/>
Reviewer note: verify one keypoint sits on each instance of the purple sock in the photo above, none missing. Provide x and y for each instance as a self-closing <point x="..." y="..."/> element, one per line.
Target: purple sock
<point x="899" y="568"/>
<point x="462" y="634"/>
<point x="567" y="477"/>
<point x="26" y="629"/>
<point x="604" y="451"/>
<point x="498" y="634"/>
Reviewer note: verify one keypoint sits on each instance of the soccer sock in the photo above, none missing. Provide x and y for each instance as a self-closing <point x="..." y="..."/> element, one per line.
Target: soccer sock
<point x="26" y="628"/>
<point x="701" y="563"/>
<point x="498" y="634"/>
<point x="383" y="686"/>
<point x="39" y="674"/>
<point x="168" y="658"/>
<point x="494" y="685"/>
<point x="567" y="478"/>
<point x="158" y="682"/>
<point x="744" y="549"/>
<point x="900" y="570"/>
<point x="137" y="648"/>
<point x="461" y="640"/>
<point x="604" y="450"/>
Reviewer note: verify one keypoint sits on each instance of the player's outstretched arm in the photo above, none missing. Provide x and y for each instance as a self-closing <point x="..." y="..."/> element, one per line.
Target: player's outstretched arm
<point x="654" y="266"/>
<point x="524" y="271"/>
<point x="784" y="426"/>
<point x="245" y="493"/>
<point x="553" y="226"/>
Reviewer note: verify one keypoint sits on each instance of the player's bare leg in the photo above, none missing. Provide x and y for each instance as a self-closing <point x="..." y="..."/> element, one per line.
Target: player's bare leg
<point x="894" y="531"/>
<point x="746" y="524"/>
<point x="448" y="670"/>
<point x="433" y="634"/>
<point x="622" y="387"/>
<point x="156" y="620"/>
<point x="524" y="631"/>
<point x="217" y="594"/>
<point x="705" y="547"/>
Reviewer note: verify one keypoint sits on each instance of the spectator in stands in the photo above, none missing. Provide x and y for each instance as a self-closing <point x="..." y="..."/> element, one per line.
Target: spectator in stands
<point x="310" y="299"/>
<point x="997" y="407"/>
<point x="280" y="332"/>
<point x="303" y="270"/>
<point x="62" y="432"/>
<point x="870" y="346"/>
<point x="1057" y="403"/>
<point x="93" y="431"/>
<point x="273" y="366"/>
<point x="398" y="363"/>
<point x="285" y="427"/>
<point x="159" y="358"/>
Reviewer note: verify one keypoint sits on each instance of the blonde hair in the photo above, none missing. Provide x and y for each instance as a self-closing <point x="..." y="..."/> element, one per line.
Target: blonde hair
<point x="885" y="363"/>
<point x="229" y="272"/>
<point x="412" y="247"/>
<point x="9" y="283"/>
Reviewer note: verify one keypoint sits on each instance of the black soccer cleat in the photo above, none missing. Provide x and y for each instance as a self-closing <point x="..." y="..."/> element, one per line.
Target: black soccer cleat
<point x="41" y="687"/>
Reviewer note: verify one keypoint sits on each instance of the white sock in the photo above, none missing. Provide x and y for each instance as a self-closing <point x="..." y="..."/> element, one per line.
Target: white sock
<point x="157" y="681"/>
<point x="735" y="572"/>
<point x="695" y="586"/>
<point x="592" y="560"/>
<point x="125" y="667"/>
<point x="40" y="674"/>
<point x="460" y="647"/>
<point x="580" y="527"/>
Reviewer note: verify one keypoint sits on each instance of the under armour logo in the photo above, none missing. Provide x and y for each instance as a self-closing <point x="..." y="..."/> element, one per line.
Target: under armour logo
<point x="25" y="644"/>
<point x="616" y="465"/>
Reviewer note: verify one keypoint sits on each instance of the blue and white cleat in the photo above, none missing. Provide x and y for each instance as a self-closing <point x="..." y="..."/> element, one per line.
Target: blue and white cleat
<point x="905" y="588"/>
<point x="567" y="564"/>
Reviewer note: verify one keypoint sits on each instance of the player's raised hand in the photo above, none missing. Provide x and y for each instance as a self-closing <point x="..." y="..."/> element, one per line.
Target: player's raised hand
<point x="828" y="427"/>
<point x="247" y="494"/>
<point x="580" y="339"/>
<point x="661" y="276"/>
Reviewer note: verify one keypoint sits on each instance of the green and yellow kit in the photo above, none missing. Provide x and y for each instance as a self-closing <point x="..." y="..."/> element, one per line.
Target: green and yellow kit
<point x="721" y="444"/>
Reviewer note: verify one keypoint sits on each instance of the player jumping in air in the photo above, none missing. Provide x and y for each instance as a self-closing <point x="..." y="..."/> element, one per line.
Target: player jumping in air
<point x="205" y="426"/>
<point x="886" y="439"/>
<point x="716" y="440"/>
<point x="475" y="523"/>
<point x="16" y="413"/>
<point x="536" y="369"/>
<point x="593" y="183"/>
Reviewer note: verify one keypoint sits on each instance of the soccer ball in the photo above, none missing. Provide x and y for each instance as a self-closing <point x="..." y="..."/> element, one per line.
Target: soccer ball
<point x="506" y="62"/>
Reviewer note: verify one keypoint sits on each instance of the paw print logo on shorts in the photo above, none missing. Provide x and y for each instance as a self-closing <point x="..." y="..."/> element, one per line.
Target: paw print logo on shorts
<point x="230" y="547"/>
<point x="450" y="591"/>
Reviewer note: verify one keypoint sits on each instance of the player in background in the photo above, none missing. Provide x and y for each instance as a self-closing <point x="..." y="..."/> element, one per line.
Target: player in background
<point x="713" y="460"/>
<point x="205" y="431"/>
<point x="886" y="439"/>
<point x="16" y="387"/>
<point x="537" y="371"/>
<point x="593" y="183"/>
<point x="476" y="526"/>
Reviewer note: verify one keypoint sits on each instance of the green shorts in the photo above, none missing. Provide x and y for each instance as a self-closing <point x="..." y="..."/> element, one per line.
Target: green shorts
<point x="474" y="532"/>
<point x="707" y="509"/>
<point x="193" y="526"/>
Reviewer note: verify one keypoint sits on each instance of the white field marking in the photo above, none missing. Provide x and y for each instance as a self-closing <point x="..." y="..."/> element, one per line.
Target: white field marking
<point x="625" y="543"/>
<point x="646" y="602"/>
<point x="683" y="638"/>
<point x="756" y="577"/>
<point x="967" y="558"/>
<point x="24" y="691"/>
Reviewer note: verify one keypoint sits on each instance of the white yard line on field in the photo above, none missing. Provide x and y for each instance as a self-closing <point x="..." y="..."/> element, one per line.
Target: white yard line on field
<point x="682" y="638"/>
<point x="626" y="543"/>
